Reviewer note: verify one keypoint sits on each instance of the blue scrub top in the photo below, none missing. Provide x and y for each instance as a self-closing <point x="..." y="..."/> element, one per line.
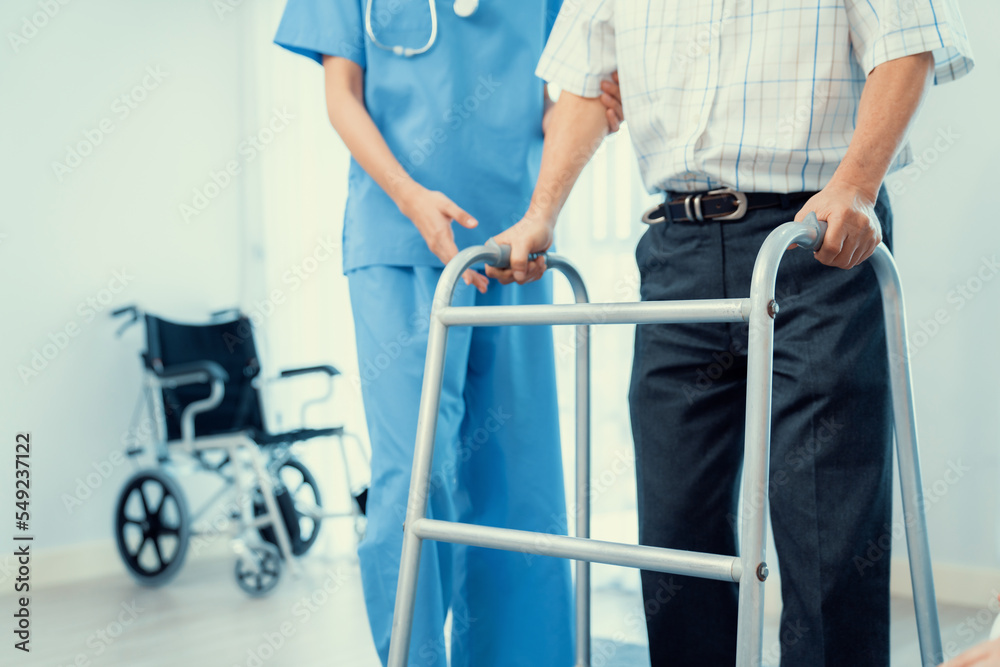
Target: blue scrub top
<point x="464" y="118"/>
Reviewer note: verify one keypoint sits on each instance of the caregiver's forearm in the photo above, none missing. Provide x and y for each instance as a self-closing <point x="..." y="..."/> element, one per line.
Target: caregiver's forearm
<point x="345" y="103"/>
<point x="889" y="103"/>
<point x="575" y="131"/>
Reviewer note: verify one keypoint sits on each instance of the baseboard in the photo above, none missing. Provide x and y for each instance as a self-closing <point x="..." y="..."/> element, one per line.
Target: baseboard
<point x="86" y="561"/>
<point x="958" y="585"/>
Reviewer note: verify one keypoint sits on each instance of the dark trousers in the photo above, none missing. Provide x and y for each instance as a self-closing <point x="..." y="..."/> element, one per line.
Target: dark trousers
<point x="830" y="476"/>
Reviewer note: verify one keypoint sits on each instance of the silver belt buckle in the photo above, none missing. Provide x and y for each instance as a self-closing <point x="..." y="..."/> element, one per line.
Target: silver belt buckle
<point x="692" y="205"/>
<point x="741" y="204"/>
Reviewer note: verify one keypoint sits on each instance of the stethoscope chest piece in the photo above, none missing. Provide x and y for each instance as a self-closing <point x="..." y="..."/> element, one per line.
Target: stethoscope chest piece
<point x="466" y="8"/>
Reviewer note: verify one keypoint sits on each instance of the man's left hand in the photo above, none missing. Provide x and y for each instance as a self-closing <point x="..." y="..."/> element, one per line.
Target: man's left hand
<point x="853" y="229"/>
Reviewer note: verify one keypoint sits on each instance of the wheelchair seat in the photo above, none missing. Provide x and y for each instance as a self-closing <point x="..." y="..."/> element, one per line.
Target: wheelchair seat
<point x="230" y="345"/>
<point x="296" y="435"/>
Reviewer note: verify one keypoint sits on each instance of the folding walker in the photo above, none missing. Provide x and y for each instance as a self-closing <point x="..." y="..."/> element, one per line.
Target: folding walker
<point x="749" y="569"/>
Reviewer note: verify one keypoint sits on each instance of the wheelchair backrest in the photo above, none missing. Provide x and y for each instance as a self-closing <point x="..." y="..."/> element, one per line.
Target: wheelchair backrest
<point x="229" y="344"/>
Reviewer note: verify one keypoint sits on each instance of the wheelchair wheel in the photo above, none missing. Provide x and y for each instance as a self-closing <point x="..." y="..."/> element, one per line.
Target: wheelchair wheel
<point x="258" y="570"/>
<point x="152" y="527"/>
<point x="299" y="501"/>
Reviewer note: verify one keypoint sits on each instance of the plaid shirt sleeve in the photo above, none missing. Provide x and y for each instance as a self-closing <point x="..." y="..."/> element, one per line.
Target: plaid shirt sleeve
<point x="580" y="52"/>
<point x="883" y="30"/>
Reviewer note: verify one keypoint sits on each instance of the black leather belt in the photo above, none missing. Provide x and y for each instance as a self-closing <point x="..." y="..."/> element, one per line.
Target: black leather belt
<point x="724" y="204"/>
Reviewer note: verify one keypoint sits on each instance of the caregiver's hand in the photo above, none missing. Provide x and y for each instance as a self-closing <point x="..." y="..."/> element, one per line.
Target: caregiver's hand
<point x="611" y="98"/>
<point x="984" y="655"/>
<point x="529" y="235"/>
<point x="432" y="213"/>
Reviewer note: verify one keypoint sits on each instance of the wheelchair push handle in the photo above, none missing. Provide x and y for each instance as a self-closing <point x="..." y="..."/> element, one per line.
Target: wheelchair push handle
<point x="503" y="258"/>
<point x="132" y="311"/>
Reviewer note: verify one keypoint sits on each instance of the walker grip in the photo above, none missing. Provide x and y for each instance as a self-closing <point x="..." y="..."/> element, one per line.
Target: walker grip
<point x="816" y="226"/>
<point x="503" y="257"/>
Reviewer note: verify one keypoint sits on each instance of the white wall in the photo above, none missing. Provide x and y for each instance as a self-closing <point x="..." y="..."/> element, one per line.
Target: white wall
<point x="945" y="235"/>
<point x="118" y="211"/>
<point x="63" y="240"/>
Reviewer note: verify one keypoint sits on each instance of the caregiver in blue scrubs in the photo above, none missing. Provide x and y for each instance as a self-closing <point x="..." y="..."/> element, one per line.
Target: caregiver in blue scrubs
<point x="439" y="105"/>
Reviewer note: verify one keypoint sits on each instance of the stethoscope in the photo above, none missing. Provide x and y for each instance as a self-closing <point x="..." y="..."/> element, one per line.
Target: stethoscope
<point x="464" y="8"/>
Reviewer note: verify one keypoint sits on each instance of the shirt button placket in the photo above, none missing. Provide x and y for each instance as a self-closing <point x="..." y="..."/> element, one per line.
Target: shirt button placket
<point x="708" y="67"/>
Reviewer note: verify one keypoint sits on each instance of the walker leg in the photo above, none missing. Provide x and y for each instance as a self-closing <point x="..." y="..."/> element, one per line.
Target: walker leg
<point x="750" y="624"/>
<point x="582" y="501"/>
<point x="416" y="507"/>
<point x="583" y="492"/>
<point x="924" y="601"/>
<point x="757" y="448"/>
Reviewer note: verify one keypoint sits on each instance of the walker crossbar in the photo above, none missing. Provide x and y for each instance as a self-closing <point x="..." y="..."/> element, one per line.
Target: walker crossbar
<point x="749" y="569"/>
<point x="644" y="312"/>
<point x="674" y="561"/>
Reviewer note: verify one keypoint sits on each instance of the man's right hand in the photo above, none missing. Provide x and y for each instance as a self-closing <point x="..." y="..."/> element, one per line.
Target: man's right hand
<point x="432" y="213"/>
<point x="529" y="235"/>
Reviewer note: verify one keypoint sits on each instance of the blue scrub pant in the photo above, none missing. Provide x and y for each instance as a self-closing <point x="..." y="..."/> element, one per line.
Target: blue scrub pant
<point x="497" y="462"/>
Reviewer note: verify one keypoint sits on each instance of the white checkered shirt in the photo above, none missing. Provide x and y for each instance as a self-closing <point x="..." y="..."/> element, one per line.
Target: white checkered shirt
<point x="757" y="95"/>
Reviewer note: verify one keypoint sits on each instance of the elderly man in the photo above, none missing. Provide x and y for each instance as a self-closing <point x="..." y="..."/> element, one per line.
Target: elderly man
<point x="745" y="114"/>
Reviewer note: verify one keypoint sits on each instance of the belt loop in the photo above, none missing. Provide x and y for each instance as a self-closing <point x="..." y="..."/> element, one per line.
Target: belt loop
<point x="668" y="218"/>
<point x="688" y="213"/>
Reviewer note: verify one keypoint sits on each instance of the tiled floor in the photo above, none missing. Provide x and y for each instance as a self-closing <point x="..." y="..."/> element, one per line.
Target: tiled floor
<point x="202" y="620"/>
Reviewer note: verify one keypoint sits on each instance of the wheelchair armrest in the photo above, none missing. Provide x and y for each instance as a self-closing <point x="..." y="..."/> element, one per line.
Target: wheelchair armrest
<point x="292" y="372"/>
<point x="325" y="369"/>
<point x="195" y="372"/>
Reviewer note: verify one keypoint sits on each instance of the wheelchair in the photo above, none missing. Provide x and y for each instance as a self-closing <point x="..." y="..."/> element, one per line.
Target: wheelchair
<point x="200" y="411"/>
